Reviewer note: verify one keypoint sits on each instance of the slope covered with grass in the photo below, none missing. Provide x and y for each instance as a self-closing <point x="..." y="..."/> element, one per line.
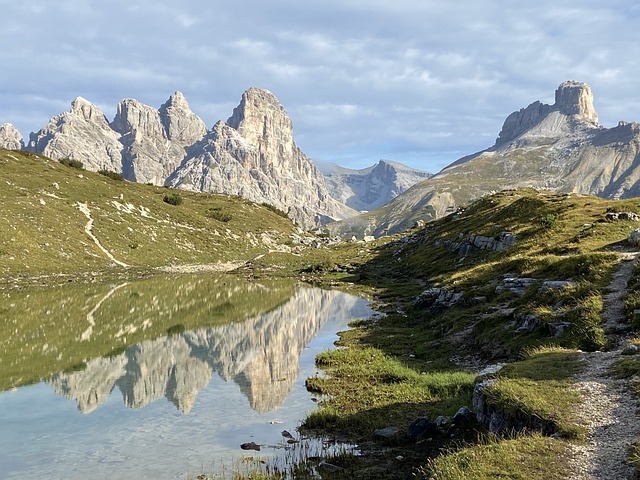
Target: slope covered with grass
<point x="54" y="218"/>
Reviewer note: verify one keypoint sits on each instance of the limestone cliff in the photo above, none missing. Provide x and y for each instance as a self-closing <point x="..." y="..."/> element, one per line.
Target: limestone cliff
<point x="255" y="156"/>
<point x="83" y="133"/>
<point x="560" y="147"/>
<point x="10" y="137"/>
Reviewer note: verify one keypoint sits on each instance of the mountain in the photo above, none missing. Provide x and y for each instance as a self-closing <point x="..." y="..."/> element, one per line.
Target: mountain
<point x="372" y="187"/>
<point x="559" y="147"/>
<point x="252" y="155"/>
<point x="10" y="137"/>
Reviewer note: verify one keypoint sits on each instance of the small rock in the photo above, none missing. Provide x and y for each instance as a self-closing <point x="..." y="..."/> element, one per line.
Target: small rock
<point x="464" y="415"/>
<point x="630" y="349"/>
<point x="420" y="427"/>
<point x="286" y="434"/>
<point x="387" y="432"/>
<point x="250" y="446"/>
<point x="556" y="329"/>
<point x="328" y="467"/>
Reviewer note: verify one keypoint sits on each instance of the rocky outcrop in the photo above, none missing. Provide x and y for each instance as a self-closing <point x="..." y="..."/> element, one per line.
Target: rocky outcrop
<point x="254" y="155"/>
<point x="83" y="133"/>
<point x="372" y="187"/>
<point x="10" y="137"/>
<point x="473" y="243"/>
<point x="557" y="147"/>
<point x="154" y="140"/>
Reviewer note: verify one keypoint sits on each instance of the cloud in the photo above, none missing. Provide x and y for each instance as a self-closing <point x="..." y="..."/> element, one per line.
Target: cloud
<point x="420" y="80"/>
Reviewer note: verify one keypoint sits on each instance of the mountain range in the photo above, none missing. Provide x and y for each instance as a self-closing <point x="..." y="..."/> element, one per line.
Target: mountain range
<point x="559" y="147"/>
<point x="253" y="154"/>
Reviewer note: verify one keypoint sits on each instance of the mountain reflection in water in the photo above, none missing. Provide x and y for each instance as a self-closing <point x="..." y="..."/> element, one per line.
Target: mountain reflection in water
<point x="260" y="354"/>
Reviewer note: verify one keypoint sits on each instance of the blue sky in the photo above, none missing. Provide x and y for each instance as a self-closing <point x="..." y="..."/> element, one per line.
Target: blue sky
<point x="422" y="82"/>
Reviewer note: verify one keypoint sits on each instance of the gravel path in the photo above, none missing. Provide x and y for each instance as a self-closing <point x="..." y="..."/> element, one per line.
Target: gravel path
<point x="609" y="410"/>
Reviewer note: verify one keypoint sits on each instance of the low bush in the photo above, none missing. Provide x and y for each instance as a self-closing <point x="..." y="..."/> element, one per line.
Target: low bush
<point x="217" y="214"/>
<point x="111" y="174"/>
<point x="69" y="162"/>
<point x="172" y="199"/>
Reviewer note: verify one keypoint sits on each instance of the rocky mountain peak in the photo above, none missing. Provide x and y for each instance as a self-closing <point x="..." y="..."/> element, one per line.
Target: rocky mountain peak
<point x="576" y="98"/>
<point x="10" y="137"/>
<point x="86" y="110"/>
<point x="135" y="117"/>
<point x="180" y="123"/>
<point x="572" y="99"/>
<point x="261" y="119"/>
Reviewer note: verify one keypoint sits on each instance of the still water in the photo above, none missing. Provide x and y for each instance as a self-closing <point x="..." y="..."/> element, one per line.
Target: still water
<point x="158" y="378"/>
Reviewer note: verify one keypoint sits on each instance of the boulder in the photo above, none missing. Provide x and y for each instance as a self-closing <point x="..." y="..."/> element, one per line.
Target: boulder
<point x="420" y="428"/>
<point x="634" y="237"/>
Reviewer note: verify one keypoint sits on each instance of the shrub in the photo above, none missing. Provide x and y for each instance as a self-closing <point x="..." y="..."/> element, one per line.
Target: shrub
<point x="111" y="174"/>
<point x="549" y="220"/>
<point x="217" y="214"/>
<point x="69" y="162"/>
<point x="275" y="210"/>
<point x="172" y="199"/>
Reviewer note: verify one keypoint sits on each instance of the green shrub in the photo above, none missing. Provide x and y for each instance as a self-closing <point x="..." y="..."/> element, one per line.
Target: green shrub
<point x="549" y="220"/>
<point x="217" y="214"/>
<point x="69" y="162"/>
<point x="275" y="210"/>
<point x="111" y="174"/>
<point x="172" y="199"/>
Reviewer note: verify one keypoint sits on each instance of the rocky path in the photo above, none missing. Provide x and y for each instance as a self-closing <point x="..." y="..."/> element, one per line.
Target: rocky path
<point x="84" y="208"/>
<point x="609" y="410"/>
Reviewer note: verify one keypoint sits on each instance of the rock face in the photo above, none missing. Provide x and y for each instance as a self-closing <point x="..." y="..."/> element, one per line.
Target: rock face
<point x="83" y="133"/>
<point x="254" y="155"/>
<point x="557" y="147"/>
<point x="10" y="137"/>
<point x="372" y="187"/>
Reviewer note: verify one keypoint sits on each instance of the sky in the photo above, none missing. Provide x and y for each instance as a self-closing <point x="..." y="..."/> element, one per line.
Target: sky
<point x="422" y="82"/>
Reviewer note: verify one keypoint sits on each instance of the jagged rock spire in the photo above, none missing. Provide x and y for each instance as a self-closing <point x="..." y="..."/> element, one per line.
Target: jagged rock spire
<point x="10" y="137"/>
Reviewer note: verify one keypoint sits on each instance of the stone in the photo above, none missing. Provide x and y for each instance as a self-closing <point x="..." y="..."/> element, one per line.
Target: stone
<point x="516" y="285"/>
<point x="10" y="137"/>
<point x="576" y="98"/>
<point x="634" y="237"/>
<point x="420" y="428"/>
<point x="557" y="284"/>
<point x="464" y="416"/>
<point x="528" y="324"/>
<point x="387" y="432"/>
<point x="628" y="216"/>
<point x="250" y="446"/>
<point x="328" y="467"/>
<point x="556" y="329"/>
<point x="438" y="299"/>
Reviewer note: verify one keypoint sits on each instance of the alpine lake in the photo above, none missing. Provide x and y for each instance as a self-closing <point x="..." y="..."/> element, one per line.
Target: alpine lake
<point x="164" y="377"/>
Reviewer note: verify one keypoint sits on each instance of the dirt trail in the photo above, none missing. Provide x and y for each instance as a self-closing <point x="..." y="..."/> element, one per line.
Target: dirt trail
<point x="609" y="410"/>
<point x="84" y="208"/>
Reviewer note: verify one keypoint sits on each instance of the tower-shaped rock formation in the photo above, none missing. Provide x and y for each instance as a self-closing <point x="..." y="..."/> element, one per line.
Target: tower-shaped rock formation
<point x="10" y="137"/>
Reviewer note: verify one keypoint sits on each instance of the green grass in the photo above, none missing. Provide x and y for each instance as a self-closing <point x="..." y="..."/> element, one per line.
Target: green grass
<point x="42" y="227"/>
<point x="522" y="458"/>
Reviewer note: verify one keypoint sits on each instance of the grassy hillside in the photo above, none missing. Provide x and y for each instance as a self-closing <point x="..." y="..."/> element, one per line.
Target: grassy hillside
<point x="46" y="208"/>
<point x="407" y="364"/>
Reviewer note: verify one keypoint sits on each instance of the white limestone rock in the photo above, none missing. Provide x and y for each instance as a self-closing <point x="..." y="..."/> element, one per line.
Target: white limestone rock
<point x="255" y="156"/>
<point x="82" y="134"/>
<point x="10" y="137"/>
<point x="155" y="140"/>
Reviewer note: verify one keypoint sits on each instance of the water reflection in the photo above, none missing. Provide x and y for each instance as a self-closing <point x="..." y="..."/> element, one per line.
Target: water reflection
<point x="260" y="355"/>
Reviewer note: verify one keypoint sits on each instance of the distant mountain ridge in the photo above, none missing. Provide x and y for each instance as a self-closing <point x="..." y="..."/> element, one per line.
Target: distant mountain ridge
<point x="559" y="147"/>
<point x="374" y="186"/>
